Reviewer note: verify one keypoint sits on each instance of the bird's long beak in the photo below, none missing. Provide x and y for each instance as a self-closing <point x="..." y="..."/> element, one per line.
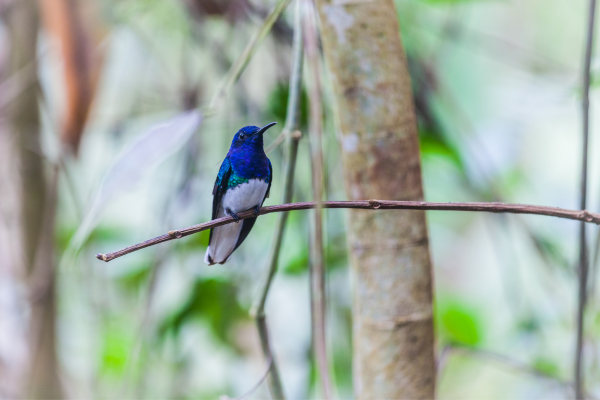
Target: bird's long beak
<point x="264" y="128"/>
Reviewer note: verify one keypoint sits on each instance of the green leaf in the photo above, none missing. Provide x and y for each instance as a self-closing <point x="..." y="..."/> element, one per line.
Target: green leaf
<point x="115" y="349"/>
<point x="459" y="324"/>
<point x="434" y="143"/>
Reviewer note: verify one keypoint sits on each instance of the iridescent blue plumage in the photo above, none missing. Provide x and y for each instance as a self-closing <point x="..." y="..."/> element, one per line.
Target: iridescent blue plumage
<point x="243" y="183"/>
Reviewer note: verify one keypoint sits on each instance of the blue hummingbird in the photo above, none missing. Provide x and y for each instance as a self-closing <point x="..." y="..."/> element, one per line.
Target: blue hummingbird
<point x="243" y="183"/>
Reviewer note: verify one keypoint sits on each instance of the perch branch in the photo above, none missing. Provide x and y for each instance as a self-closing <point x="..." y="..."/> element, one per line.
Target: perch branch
<point x="576" y="215"/>
<point x="583" y="254"/>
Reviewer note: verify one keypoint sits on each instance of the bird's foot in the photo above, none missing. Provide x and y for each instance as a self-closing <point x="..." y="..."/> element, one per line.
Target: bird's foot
<point x="257" y="210"/>
<point x="233" y="215"/>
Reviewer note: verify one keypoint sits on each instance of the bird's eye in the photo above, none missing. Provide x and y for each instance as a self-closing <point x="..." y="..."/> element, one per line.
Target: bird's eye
<point x="242" y="136"/>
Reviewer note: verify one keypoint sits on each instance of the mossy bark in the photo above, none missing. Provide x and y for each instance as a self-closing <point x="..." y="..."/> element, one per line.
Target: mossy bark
<point x="393" y="327"/>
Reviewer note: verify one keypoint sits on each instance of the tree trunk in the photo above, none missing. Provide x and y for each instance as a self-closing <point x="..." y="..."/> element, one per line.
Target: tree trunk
<point x="393" y="326"/>
<point x="32" y="211"/>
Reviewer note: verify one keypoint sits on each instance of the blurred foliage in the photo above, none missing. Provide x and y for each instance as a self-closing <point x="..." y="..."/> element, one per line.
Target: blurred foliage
<point x="335" y="257"/>
<point x="100" y="235"/>
<point x="449" y="2"/>
<point x="278" y="101"/>
<point x="546" y="366"/>
<point x="215" y="302"/>
<point x="116" y="346"/>
<point x="136" y="278"/>
<point x="196" y="243"/>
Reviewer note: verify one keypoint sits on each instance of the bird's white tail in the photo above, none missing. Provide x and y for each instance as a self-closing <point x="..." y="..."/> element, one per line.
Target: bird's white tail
<point x="222" y="242"/>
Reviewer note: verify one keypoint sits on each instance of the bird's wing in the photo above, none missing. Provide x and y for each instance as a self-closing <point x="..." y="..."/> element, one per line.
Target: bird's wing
<point x="270" y="180"/>
<point x="248" y="223"/>
<point x="220" y="187"/>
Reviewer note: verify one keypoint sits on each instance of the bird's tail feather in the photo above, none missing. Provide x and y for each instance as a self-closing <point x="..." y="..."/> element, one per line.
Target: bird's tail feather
<point x="222" y="243"/>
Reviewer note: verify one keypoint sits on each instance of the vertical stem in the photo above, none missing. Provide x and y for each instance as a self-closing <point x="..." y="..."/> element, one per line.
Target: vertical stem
<point x="273" y="378"/>
<point x="240" y="63"/>
<point x="317" y="267"/>
<point x="583" y="256"/>
<point x="292" y="124"/>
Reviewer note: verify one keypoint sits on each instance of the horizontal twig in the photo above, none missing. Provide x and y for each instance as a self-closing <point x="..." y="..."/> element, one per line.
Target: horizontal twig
<point x="577" y="215"/>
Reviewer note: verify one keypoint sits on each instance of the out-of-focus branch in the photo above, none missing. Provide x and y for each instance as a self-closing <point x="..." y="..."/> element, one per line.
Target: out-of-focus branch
<point x="289" y="162"/>
<point x="512" y="363"/>
<point x="255" y="387"/>
<point x="290" y="131"/>
<point x="583" y="253"/>
<point x="272" y="376"/>
<point x="281" y="137"/>
<point x="577" y="215"/>
<point x="240" y="63"/>
<point x="18" y="82"/>
<point x="318" y="296"/>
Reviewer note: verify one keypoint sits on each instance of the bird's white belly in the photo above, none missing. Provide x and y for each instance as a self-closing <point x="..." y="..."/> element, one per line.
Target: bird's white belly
<point x="245" y="196"/>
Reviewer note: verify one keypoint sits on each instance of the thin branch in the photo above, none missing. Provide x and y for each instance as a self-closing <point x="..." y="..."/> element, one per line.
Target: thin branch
<point x="583" y="256"/>
<point x="515" y="364"/>
<point x="240" y="63"/>
<point x="295" y="134"/>
<point x="594" y="266"/>
<point x="20" y="81"/>
<point x="275" y="385"/>
<point x="577" y="215"/>
<point x="291" y="125"/>
<point x="255" y="387"/>
<point x="318" y="295"/>
<point x="289" y="162"/>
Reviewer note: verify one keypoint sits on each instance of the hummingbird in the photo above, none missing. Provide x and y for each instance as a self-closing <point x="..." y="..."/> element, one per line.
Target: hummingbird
<point x="243" y="183"/>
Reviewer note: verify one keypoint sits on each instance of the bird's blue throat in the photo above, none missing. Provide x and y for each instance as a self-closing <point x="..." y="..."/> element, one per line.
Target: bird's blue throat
<point x="247" y="157"/>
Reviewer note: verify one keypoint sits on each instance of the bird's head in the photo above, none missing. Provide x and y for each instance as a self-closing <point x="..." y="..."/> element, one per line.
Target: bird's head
<point x="250" y="137"/>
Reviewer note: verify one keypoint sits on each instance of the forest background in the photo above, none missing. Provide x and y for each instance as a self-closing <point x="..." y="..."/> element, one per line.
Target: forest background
<point x="127" y="106"/>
